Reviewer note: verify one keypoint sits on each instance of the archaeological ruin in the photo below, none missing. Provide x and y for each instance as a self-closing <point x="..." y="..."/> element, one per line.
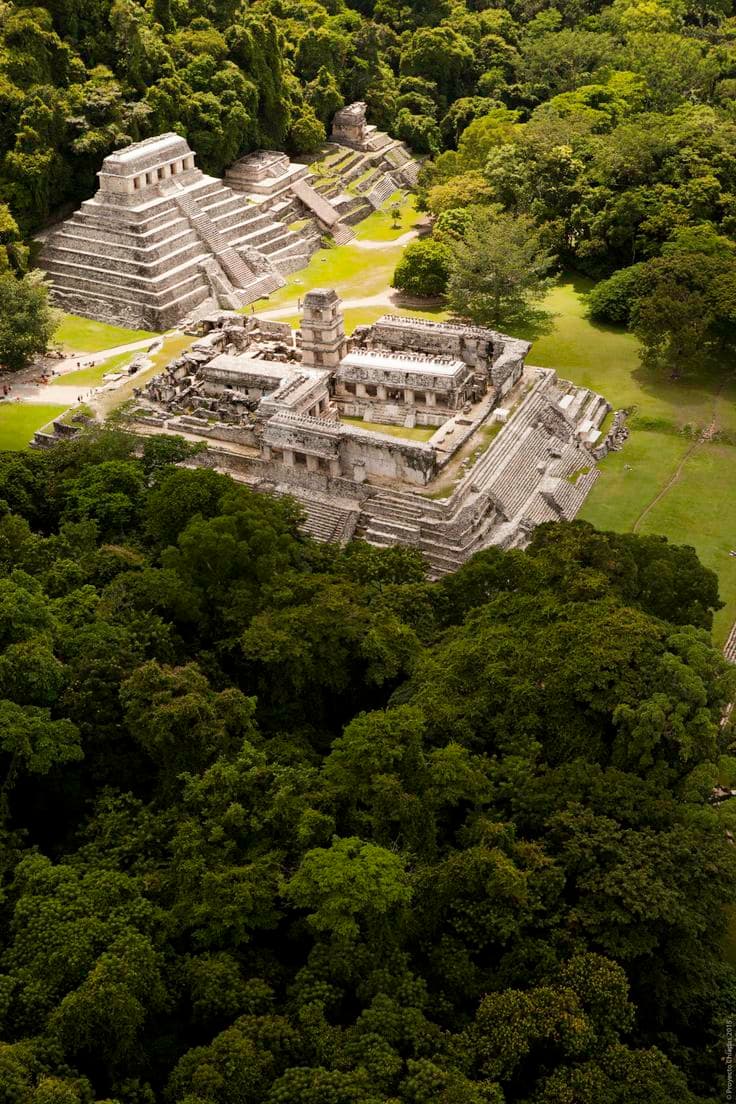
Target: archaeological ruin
<point x="161" y="239"/>
<point x="433" y="435"/>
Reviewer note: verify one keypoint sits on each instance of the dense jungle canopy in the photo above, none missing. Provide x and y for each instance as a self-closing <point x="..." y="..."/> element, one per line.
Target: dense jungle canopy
<point x="612" y="125"/>
<point x="284" y="823"/>
<point x="608" y="129"/>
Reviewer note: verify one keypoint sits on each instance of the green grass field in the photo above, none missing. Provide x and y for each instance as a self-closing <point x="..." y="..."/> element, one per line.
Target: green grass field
<point x="19" y="421"/>
<point x="380" y="225"/>
<point x="419" y="433"/>
<point x="82" y="335"/>
<point x="92" y="377"/>
<point x="353" y="271"/>
<point x="699" y="508"/>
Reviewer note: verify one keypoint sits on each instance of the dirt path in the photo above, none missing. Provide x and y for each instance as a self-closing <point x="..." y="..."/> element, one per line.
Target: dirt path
<point x="674" y="478"/>
<point x="367" y="243"/>
<point x="74" y="363"/>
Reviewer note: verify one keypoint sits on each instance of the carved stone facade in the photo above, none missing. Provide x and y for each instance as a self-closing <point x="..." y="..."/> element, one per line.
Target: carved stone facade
<point x="272" y="406"/>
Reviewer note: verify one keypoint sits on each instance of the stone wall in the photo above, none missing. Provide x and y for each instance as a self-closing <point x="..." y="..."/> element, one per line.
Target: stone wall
<point x="376" y="454"/>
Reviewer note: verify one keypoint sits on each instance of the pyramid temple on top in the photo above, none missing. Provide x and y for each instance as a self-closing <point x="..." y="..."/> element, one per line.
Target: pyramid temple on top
<point x="161" y="239"/>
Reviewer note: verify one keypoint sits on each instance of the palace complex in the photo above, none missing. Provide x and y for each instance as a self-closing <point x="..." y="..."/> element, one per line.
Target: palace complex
<point x="433" y="435"/>
<point x="161" y="239"/>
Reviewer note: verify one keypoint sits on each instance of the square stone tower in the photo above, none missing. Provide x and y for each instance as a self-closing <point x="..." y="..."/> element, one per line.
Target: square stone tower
<point x="323" y="329"/>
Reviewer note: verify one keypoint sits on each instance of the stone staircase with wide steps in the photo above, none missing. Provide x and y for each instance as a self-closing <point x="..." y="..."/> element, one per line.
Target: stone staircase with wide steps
<point x="410" y="173"/>
<point x="504" y="445"/>
<point x="570" y="496"/>
<point x="525" y="477"/>
<point x="145" y="265"/>
<point x="238" y="272"/>
<point x="515" y="481"/>
<point x="323" y="520"/>
<point x="538" y="510"/>
<point x="342" y="233"/>
<point x="381" y="191"/>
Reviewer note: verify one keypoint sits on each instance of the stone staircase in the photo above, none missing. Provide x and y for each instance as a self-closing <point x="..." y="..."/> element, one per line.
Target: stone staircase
<point x="237" y="271"/>
<point x="729" y="648"/>
<point x="342" y="233"/>
<point x="521" y="480"/>
<point x="381" y="191"/>
<point x="323" y="519"/>
<point x="150" y="266"/>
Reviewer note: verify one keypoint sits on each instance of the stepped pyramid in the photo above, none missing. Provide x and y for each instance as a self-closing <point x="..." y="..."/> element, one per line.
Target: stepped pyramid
<point x="160" y="238"/>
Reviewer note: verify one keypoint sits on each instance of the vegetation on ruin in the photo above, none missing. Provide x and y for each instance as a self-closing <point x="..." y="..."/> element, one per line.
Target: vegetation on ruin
<point x="288" y="823"/>
<point x="284" y="822"/>
<point x="416" y="433"/>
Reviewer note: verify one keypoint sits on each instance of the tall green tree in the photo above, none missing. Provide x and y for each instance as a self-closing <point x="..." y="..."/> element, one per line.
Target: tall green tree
<point x="498" y="271"/>
<point x="27" y="321"/>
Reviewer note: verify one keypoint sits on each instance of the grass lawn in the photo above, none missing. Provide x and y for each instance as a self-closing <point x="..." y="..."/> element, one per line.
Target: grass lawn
<point x="19" y="421"/>
<point x="353" y="272"/>
<point x="419" y="433"/>
<point x="91" y="377"/>
<point x="606" y="358"/>
<point x="380" y="225"/>
<point x="699" y="508"/>
<point x="82" y="335"/>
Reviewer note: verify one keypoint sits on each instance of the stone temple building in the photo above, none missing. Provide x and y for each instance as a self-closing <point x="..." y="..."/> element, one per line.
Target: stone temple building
<point x="433" y="435"/>
<point x="161" y="239"/>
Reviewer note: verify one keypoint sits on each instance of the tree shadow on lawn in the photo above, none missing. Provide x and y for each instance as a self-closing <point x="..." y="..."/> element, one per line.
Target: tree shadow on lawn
<point x="531" y="324"/>
<point x="693" y="396"/>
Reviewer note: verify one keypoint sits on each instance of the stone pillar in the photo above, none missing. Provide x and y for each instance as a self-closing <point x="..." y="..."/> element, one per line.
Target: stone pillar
<point x="360" y="392"/>
<point x="408" y="396"/>
<point x="431" y="397"/>
<point x="266" y="452"/>
<point x="289" y="458"/>
<point x="382" y="395"/>
<point x="335" y="468"/>
<point x="312" y="463"/>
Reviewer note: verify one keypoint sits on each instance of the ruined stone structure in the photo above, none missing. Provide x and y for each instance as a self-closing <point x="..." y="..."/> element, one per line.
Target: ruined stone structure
<point x="350" y="127"/>
<point x="161" y="239"/>
<point x="506" y="446"/>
